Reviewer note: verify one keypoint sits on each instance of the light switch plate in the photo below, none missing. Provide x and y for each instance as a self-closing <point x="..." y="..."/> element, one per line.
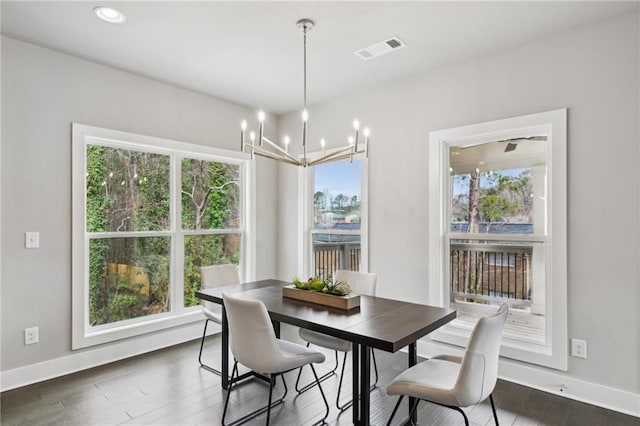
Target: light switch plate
<point x="32" y="240"/>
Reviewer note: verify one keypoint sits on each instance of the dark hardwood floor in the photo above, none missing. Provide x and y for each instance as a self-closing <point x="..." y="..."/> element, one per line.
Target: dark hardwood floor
<point x="167" y="387"/>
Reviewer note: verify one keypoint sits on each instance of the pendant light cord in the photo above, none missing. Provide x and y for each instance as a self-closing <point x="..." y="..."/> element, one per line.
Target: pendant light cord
<point x="305" y="67"/>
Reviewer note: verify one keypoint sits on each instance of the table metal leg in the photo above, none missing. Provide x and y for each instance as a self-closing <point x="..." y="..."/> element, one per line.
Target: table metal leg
<point x="276" y="328"/>
<point x="224" y="370"/>
<point x="355" y="355"/>
<point x="413" y="360"/>
<point x="365" y="379"/>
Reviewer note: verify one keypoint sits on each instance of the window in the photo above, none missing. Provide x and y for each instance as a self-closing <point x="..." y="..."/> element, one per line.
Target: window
<point x="336" y="206"/>
<point x="500" y="188"/>
<point x="147" y="214"/>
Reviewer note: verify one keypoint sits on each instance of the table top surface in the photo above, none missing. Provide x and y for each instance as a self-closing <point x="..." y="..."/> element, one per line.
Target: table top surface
<point x="380" y="323"/>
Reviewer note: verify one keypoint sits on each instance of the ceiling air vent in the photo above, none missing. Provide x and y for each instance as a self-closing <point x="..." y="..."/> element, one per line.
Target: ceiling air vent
<point x="380" y="48"/>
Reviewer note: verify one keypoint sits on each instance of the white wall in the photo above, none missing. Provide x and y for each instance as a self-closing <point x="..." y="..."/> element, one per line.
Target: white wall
<point x="43" y="92"/>
<point x="592" y="71"/>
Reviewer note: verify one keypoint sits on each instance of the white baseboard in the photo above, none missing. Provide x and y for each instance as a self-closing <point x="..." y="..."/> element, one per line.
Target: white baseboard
<point x="102" y="354"/>
<point x="550" y="381"/>
<point x="537" y="378"/>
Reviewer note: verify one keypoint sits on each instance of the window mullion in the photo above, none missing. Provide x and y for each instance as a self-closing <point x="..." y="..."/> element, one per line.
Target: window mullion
<point x="177" y="285"/>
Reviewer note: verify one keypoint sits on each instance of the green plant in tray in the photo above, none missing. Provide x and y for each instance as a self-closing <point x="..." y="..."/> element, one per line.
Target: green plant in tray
<point x="329" y="286"/>
<point x="312" y="284"/>
<point x="338" y="288"/>
<point x="302" y="285"/>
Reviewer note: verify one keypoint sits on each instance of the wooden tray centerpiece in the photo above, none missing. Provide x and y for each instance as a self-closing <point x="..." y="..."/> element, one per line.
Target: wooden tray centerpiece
<point x="326" y="293"/>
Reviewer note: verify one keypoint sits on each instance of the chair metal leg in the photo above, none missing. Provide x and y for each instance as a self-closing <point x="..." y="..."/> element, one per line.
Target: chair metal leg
<point x="459" y="410"/>
<point x="272" y="383"/>
<point x="410" y="420"/>
<point x="203" y="365"/>
<point x="493" y="407"/>
<point x="284" y="383"/>
<point x="393" y="413"/>
<point x="322" y="378"/>
<point x="413" y="412"/>
<point x="235" y="378"/>
<point x="414" y="409"/>
<point x="350" y="403"/>
<point x="324" y="398"/>
<point x="226" y="402"/>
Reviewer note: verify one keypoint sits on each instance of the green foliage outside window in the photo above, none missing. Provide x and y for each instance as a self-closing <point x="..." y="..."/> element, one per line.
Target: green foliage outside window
<point x="129" y="191"/>
<point x="501" y="197"/>
<point x="210" y="200"/>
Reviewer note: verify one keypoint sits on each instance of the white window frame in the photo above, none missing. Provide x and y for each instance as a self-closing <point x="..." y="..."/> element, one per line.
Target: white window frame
<point x="83" y="335"/>
<point x="306" y="220"/>
<point x="554" y="352"/>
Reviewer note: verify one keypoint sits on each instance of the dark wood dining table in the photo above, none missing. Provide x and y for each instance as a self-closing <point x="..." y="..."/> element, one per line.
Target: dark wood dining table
<point x="378" y="323"/>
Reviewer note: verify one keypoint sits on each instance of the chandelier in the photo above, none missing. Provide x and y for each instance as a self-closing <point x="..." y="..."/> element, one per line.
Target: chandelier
<point x="269" y="149"/>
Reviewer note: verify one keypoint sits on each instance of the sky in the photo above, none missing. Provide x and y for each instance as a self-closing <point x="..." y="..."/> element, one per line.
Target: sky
<point x="340" y="177"/>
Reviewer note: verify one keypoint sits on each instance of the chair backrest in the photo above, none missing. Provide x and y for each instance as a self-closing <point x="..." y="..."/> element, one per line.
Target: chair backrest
<point x="218" y="276"/>
<point x="479" y="370"/>
<point x="253" y="341"/>
<point x="360" y="282"/>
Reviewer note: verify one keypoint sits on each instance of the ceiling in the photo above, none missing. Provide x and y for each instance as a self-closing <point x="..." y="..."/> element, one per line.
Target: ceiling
<point x="251" y="52"/>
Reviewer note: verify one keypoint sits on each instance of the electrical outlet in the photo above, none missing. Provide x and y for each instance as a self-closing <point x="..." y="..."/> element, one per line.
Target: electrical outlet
<point x="31" y="336"/>
<point x="579" y="348"/>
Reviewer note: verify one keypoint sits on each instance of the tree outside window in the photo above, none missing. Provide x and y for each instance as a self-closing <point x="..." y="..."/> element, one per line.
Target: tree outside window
<point x="128" y="222"/>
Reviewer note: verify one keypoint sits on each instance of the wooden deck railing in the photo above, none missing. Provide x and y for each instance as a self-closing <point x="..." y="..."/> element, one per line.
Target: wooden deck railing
<point x="328" y="257"/>
<point x="491" y="272"/>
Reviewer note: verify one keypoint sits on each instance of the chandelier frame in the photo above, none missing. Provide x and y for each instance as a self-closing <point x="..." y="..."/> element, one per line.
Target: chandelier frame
<point x="270" y="149"/>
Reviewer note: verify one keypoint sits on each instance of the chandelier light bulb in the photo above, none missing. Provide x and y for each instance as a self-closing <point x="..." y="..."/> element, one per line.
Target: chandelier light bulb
<point x="356" y="124"/>
<point x="243" y="125"/>
<point x="350" y="140"/>
<point x="305" y="115"/>
<point x="261" y="116"/>
<point x="322" y="142"/>
<point x="366" y="132"/>
<point x="252" y="136"/>
<point x="287" y="140"/>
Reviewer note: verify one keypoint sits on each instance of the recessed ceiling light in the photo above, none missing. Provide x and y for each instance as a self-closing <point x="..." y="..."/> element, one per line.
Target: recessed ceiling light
<point x="109" y="14"/>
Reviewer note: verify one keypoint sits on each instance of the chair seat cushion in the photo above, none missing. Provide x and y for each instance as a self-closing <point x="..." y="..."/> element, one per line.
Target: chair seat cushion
<point x="325" y="341"/>
<point x="215" y="316"/>
<point x="432" y="380"/>
<point x="294" y="356"/>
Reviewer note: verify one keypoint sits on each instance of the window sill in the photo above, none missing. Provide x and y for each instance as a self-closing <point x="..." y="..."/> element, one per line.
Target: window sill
<point x="517" y="349"/>
<point x="96" y="336"/>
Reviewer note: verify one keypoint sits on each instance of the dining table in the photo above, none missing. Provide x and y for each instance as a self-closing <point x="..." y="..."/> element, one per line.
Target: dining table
<point x="380" y="323"/>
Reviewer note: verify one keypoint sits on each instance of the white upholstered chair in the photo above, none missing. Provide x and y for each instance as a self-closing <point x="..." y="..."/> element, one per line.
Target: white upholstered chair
<point x="254" y="345"/>
<point x="361" y="283"/>
<point x="215" y="276"/>
<point x="455" y="382"/>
